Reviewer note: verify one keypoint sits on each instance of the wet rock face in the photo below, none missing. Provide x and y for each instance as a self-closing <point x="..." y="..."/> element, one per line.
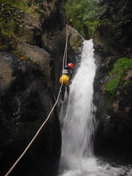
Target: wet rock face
<point x="5" y="71"/>
<point x="114" y="131"/>
<point x="113" y="41"/>
<point x="75" y="40"/>
<point x="26" y="97"/>
<point x="38" y="56"/>
<point x="114" y="35"/>
<point x="32" y="28"/>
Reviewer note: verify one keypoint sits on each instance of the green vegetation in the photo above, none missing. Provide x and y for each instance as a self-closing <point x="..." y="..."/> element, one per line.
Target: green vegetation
<point x="11" y="20"/>
<point x="85" y="15"/>
<point x="119" y="69"/>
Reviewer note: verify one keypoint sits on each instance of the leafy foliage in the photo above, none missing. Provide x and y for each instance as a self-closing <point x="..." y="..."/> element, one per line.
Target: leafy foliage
<point x="11" y="20"/>
<point x="85" y="15"/>
<point x="119" y="69"/>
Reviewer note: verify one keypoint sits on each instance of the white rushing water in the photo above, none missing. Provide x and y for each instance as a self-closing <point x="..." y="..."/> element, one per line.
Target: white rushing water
<point x="78" y="125"/>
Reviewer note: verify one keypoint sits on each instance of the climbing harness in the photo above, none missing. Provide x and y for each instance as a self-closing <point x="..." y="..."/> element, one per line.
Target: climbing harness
<point x="52" y="109"/>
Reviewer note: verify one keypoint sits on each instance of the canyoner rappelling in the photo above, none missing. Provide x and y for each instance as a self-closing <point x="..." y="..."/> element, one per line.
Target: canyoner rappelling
<point x="67" y="74"/>
<point x="79" y="125"/>
<point x="64" y="81"/>
<point x="67" y="69"/>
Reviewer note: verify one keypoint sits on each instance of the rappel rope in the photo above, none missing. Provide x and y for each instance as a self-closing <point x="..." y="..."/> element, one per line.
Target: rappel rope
<point x="65" y="50"/>
<point x="43" y="124"/>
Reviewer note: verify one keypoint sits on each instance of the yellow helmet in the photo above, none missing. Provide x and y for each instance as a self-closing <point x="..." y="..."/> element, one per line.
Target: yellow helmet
<point x="64" y="79"/>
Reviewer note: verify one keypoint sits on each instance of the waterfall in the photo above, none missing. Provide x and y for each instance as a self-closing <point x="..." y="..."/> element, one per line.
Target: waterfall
<point x="78" y="124"/>
<point x="79" y="115"/>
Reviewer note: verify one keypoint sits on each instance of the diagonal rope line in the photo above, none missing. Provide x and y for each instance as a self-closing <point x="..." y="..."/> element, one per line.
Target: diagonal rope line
<point x="43" y="124"/>
<point x="35" y="136"/>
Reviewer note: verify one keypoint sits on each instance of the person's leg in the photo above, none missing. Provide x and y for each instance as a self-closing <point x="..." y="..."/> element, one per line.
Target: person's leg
<point x="68" y="89"/>
<point x="63" y="92"/>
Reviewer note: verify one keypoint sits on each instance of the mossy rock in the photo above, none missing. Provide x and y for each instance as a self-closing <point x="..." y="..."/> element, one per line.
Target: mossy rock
<point x="37" y="55"/>
<point x="120" y="68"/>
<point x="75" y="40"/>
